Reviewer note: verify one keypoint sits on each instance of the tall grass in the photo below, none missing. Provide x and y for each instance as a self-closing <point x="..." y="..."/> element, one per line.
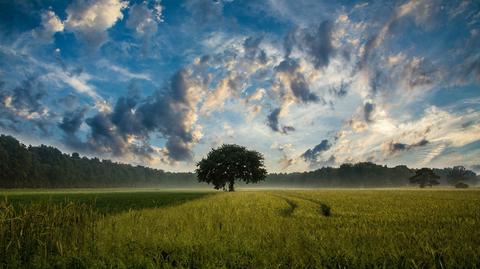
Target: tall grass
<point x="45" y="234"/>
<point x="257" y="229"/>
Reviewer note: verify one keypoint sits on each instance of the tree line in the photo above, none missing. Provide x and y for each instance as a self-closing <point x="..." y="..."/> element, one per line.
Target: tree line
<point x="367" y="174"/>
<point x="47" y="167"/>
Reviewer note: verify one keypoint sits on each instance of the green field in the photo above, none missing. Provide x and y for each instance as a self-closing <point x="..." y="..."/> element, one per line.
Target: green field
<point x="333" y="228"/>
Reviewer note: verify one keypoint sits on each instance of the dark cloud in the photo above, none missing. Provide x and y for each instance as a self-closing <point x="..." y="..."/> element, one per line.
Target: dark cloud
<point x="27" y="96"/>
<point x="168" y="113"/>
<point x="205" y="59"/>
<point x="123" y="115"/>
<point x="177" y="148"/>
<point x="311" y="155"/>
<point x="315" y="41"/>
<point x="72" y="120"/>
<point x="396" y="147"/>
<point x="318" y="44"/>
<point x="287" y="129"/>
<point x="340" y="90"/>
<point x="103" y="136"/>
<point x="70" y="124"/>
<point x="301" y="90"/>
<point x="368" y="110"/>
<point x="253" y="50"/>
<point x="298" y="84"/>
<point x="288" y="66"/>
<point x="420" y="143"/>
<point x="24" y="105"/>
<point x="272" y="122"/>
<point x="375" y="82"/>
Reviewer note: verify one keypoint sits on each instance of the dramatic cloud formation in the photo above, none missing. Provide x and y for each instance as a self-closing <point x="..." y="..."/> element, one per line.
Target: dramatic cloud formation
<point x="128" y="126"/>
<point x="307" y="83"/>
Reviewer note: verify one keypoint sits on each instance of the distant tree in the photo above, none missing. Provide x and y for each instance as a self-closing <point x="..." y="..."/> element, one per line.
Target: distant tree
<point x="424" y="177"/>
<point x="461" y="185"/>
<point x="459" y="174"/>
<point x="229" y="163"/>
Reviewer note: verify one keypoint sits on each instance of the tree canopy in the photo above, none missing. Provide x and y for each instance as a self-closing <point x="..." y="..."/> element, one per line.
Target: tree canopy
<point x="425" y="177"/>
<point x="229" y="163"/>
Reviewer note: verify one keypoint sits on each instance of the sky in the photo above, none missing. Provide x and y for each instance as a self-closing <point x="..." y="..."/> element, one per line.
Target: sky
<point x="307" y="83"/>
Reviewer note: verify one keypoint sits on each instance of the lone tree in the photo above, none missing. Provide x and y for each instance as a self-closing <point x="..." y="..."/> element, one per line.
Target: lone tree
<point x="229" y="163"/>
<point x="425" y="177"/>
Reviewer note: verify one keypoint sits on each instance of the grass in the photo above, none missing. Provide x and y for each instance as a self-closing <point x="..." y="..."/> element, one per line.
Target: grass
<point x="106" y="201"/>
<point x="246" y="229"/>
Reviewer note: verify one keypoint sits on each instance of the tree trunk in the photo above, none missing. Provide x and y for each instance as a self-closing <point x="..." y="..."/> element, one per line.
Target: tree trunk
<point x="230" y="185"/>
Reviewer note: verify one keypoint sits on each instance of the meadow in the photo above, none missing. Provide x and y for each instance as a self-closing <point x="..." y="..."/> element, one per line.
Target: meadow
<point x="327" y="228"/>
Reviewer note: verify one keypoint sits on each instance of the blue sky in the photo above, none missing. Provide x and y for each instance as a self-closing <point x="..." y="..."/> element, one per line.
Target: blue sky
<point x="307" y="83"/>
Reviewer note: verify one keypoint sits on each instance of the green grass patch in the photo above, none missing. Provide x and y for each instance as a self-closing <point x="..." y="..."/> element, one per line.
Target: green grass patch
<point x="104" y="201"/>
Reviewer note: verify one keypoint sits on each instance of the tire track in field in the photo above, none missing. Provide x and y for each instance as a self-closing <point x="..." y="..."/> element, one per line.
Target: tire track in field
<point x="288" y="211"/>
<point x="324" y="209"/>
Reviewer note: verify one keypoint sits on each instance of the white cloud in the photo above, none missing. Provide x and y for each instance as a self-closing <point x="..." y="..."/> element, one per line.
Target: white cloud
<point x="79" y="83"/>
<point x="440" y="128"/>
<point x="125" y="74"/>
<point x="51" y="24"/>
<point x="395" y="59"/>
<point x="90" y="19"/>
<point x="143" y="20"/>
<point x="216" y="98"/>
